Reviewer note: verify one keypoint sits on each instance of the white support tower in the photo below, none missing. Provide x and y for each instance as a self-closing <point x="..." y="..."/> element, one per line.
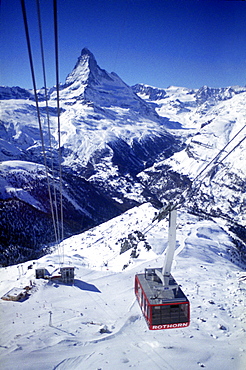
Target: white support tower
<point x="165" y="274"/>
<point x="166" y="270"/>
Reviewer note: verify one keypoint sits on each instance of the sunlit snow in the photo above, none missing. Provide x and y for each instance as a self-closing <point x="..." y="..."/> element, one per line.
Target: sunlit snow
<point x="97" y="323"/>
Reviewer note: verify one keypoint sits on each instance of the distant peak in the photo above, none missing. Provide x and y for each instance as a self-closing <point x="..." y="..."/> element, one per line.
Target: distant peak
<point x="85" y="65"/>
<point x="86" y="51"/>
<point x="86" y="55"/>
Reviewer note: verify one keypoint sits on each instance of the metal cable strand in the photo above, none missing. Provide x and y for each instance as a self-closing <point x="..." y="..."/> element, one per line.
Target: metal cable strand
<point x="217" y="155"/>
<point x="36" y="97"/>
<point x="54" y="219"/>
<point x="58" y="113"/>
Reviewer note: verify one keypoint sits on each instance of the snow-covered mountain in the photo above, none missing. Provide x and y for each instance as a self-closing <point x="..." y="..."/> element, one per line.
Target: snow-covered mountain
<point x="91" y="84"/>
<point x="214" y="119"/>
<point x="121" y="146"/>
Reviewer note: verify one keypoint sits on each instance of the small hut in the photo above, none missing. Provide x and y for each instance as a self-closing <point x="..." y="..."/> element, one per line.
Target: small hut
<point x="15" y="294"/>
<point x="40" y="273"/>
<point x="67" y="274"/>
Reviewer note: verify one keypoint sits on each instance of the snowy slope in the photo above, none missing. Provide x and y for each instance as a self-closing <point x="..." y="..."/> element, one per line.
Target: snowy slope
<point x="102" y="297"/>
<point x="214" y="119"/>
<point x="184" y="105"/>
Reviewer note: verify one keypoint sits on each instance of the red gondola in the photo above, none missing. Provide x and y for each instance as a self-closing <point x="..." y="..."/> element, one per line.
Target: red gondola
<point x="162" y="308"/>
<point x="163" y="303"/>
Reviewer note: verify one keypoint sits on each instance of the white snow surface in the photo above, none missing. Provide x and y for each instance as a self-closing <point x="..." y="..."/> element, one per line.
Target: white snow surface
<point x="103" y="297"/>
<point x="21" y="169"/>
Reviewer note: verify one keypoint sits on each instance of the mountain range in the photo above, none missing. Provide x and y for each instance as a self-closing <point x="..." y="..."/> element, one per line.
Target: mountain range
<point x="120" y="146"/>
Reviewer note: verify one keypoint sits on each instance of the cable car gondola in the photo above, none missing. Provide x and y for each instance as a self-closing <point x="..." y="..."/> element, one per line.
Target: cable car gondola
<point x="162" y="301"/>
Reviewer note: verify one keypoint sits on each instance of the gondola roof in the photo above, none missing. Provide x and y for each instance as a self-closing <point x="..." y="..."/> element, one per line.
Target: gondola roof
<point x="155" y="292"/>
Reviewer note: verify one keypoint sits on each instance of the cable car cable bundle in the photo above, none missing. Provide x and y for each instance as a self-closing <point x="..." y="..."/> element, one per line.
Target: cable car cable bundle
<point x="58" y="113"/>
<point x="56" y="217"/>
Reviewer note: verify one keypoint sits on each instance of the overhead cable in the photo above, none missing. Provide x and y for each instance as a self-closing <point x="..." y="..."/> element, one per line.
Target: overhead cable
<point x="58" y="112"/>
<point x="36" y="101"/>
<point x="54" y="213"/>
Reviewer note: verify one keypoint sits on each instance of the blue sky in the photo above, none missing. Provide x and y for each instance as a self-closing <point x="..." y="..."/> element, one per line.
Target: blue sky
<point x="187" y="43"/>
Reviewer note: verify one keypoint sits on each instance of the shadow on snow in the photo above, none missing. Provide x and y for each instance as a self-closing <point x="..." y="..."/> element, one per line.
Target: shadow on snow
<point x="85" y="286"/>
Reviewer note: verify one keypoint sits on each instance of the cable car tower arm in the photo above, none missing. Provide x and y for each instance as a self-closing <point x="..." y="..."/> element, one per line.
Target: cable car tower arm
<point x="166" y="270"/>
<point x="165" y="274"/>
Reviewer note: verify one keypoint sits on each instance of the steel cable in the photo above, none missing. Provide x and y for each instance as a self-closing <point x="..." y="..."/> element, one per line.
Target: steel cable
<point x="54" y="214"/>
<point x="36" y="100"/>
<point x="58" y="115"/>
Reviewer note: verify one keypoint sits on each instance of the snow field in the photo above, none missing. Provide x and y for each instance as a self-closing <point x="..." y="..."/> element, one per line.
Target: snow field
<point x="102" y="299"/>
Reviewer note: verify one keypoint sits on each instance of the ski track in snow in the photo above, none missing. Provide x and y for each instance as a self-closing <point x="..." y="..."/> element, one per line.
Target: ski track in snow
<point x="103" y="295"/>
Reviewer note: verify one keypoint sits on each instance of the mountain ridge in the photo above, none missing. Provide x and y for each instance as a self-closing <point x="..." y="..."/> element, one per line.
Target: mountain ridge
<point x="120" y="144"/>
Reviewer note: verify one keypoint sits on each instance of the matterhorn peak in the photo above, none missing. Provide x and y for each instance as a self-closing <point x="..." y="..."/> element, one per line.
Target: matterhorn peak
<point x="87" y="57"/>
<point x="86" y="52"/>
<point x="85" y="66"/>
<point x="87" y="76"/>
<point x="91" y="84"/>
